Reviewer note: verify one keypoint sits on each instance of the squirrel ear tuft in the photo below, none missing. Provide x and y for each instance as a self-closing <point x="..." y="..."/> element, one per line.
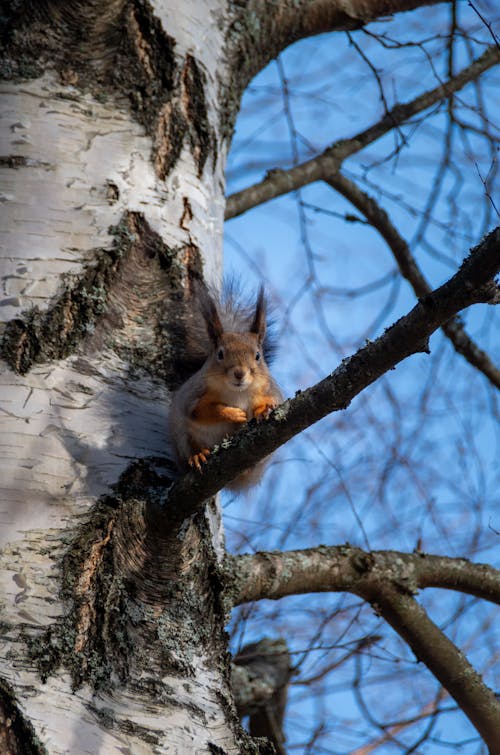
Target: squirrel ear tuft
<point x="258" y="325"/>
<point x="210" y="315"/>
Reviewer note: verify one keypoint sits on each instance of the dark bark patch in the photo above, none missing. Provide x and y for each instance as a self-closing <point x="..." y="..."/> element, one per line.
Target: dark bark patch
<point x="17" y="735"/>
<point x="39" y="336"/>
<point x="194" y="105"/>
<point x="76" y="641"/>
<point x="109" y="721"/>
<point x="140" y="594"/>
<point x="20" y="161"/>
<point x="144" y="67"/>
<point x="170" y="129"/>
<point x="130" y="298"/>
<point x="112" y="192"/>
<point x="184" y="116"/>
<point x="215" y="749"/>
<point x="43" y="336"/>
<point x="187" y="214"/>
<point x="120" y="49"/>
<point x="145" y="303"/>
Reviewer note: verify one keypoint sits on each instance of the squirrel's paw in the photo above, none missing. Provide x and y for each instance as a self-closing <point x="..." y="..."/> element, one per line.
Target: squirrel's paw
<point x="234" y="414"/>
<point x="196" y="459"/>
<point x="263" y="410"/>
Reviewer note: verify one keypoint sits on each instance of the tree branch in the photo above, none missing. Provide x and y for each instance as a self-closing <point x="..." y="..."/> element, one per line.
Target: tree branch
<point x="472" y="283"/>
<point x="260" y="676"/>
<point x="280" y="24"/>
<point x="272" y="576"/>
<point x="324" y="166"/>
<point x="443" y="659"/>
<point x="388" y="580"/>
<point x="409" y="269"/>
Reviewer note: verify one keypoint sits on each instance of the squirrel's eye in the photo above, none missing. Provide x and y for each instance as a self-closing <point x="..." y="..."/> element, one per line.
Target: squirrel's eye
<point x="220" y="354"/>
<point x="257" y="356"/>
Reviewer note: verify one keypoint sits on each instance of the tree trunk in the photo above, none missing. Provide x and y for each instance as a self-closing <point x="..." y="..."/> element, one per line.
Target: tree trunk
<point x="113" y="183"/>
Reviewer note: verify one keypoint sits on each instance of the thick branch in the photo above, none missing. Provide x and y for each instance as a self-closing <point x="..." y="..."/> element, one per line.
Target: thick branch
<point x="443" y="659"/>
<point x="333" y="569"/>
<point x="471" y="284"/>
<point x="282" y="23"/>
<point x="388" y="581"/>
<point x="279" y="182"/>
<point x="409" y="269"/>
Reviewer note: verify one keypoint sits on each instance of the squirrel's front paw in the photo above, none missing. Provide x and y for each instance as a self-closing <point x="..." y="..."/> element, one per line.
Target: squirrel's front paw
<point x="196" y="459"/>
<point x="264" y="409"/>
<point x="234" y="414"/>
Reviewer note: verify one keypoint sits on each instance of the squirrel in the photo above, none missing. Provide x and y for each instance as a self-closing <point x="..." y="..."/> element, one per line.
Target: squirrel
<point x="233" y="385"/>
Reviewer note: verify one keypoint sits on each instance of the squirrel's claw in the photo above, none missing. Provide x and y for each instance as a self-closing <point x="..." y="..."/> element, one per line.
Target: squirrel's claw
<point x="262" y="411"/>
<point x="201" y="456"/>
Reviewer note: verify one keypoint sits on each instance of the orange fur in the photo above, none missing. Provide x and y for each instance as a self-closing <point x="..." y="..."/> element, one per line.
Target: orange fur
<point x="210" y="409"/>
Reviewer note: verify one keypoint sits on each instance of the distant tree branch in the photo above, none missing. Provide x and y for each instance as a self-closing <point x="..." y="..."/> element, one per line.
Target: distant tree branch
<point x="326" y="165"/>
<point x="428" y="711"/>
<point x="473" y="283"/>
<point x="388" y="581"/>
<point x="260" y="675"/>
<point x="409" y="269"/>
<point x="443" y="659"/>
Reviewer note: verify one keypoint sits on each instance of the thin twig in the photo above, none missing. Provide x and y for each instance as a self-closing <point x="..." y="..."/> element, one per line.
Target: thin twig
<point x="409" y="269"/>
<point x="278" y="182"/>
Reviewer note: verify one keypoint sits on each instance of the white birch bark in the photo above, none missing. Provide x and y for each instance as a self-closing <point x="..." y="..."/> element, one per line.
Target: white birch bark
<point x="69" y="428"/>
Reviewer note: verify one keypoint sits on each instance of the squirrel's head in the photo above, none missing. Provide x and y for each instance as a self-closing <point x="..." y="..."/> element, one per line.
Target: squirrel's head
<point x="239" y="357"/>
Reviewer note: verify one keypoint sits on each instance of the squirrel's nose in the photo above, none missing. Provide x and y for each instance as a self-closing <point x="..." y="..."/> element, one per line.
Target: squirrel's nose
<point x="239" y="373"/>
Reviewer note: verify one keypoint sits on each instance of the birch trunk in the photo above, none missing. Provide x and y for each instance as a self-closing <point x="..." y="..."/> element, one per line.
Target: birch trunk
<point x="111" y="636"/>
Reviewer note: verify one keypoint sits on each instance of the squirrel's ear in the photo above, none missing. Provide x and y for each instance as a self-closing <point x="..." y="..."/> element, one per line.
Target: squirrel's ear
<point x="210" y="315"/>
<point x="259" y="321"/>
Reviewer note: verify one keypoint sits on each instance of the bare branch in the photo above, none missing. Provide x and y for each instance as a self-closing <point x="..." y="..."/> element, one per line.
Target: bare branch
<point x="409" y="269"/>
<point x="305" y="19"/>
<point x="429" y="710"/>
<point x="326" y="165"/>
<point x="443" y="659"/>
<point x="332" y="569"/>
<point x="472" y="283"/>
<point x="388" y="580"/>
<point x="260" y="676"/>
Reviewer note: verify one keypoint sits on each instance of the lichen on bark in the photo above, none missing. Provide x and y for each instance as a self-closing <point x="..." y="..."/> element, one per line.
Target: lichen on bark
<point x="134" y="286"/>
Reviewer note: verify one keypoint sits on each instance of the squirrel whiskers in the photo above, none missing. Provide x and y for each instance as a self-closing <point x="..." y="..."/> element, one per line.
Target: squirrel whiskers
<point x="234" y="384"/>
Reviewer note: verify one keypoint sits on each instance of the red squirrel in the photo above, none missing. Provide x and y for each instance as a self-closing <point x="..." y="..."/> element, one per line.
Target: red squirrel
<point x="233" y="386"/>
